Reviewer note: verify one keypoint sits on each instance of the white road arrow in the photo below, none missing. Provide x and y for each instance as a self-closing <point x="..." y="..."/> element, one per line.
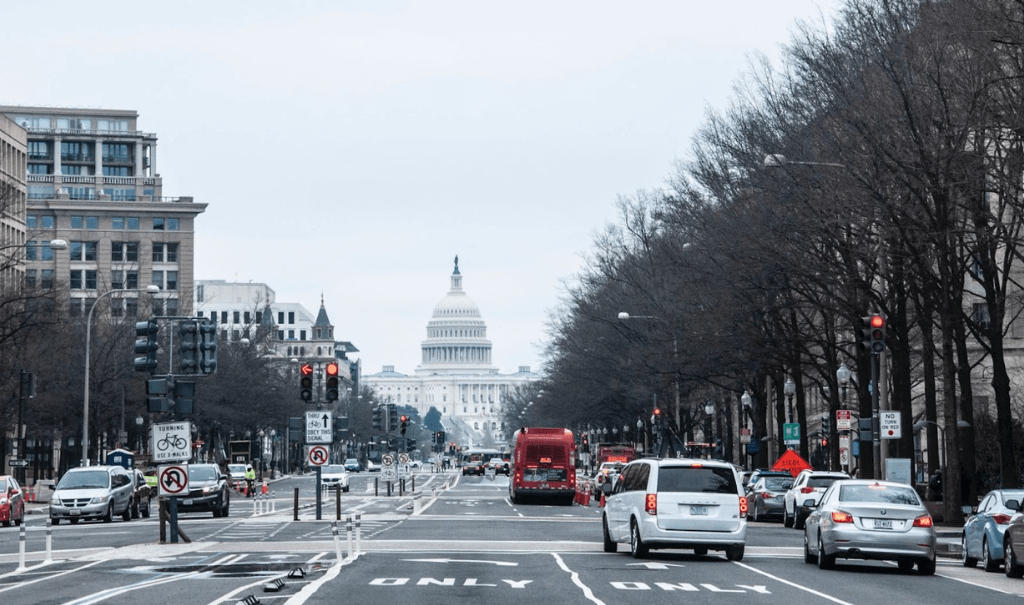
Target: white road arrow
<point x="500" y="563"/>
<point x="652" y="565"/>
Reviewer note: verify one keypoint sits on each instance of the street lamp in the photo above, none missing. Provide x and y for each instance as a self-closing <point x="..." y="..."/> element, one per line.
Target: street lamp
<point x="709" y="409"/>
<point x="843" y="376"/>
<point x="790" y="390"/>
<point x="748" y="409"/>
<point x="675" y="355"/>
<point x="150" y="289"/>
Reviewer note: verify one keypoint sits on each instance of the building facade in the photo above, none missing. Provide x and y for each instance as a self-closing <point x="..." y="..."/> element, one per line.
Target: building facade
<point x="92" y="181"/>
<point x="13" y="167"/>
<point x="455" y="375"/>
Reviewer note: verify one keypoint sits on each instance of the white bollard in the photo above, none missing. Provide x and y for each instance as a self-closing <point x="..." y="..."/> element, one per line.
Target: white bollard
<point x="359" y="533"/>
<point x="273" y="503"/>
<point x="337" y="543"/>
<point x="49" y="540"/>
<point x="348" y="535"/>
<point x="21" y="548"/>
<point x="255" y="507"/>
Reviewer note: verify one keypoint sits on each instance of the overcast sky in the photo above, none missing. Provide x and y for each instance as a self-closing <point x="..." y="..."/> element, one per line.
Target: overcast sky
<point x="354" y="148"/>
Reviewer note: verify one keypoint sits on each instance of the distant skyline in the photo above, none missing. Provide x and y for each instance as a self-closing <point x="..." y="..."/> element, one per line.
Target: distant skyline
<point x="352" y="149"/>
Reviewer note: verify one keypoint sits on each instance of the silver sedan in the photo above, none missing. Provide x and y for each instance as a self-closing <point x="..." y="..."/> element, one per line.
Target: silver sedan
<point x="869" y="519"/>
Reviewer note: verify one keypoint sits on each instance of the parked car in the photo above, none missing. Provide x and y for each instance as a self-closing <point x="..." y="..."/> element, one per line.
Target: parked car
<point x="501" y="467"/>
<point x="12" y="501"/>
<point x="608" y="472"/>
<point x="808" y="485"/>
<point x="763" y="472"/>
<point x="768" y="497"/>
<point x="352" y="465"/>
<point x="870" y="519"/>
<point x="208" y="491"/>
<point x="93" y="492"/>
<point x="334" y="476"/>
<point x="142" y="498"/>
<point x="236" y="473"/>
<point x="676" y="503"/>
<point x="982" y="537"/>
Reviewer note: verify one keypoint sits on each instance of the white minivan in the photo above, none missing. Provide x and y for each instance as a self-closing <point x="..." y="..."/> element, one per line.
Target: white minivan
<point x="676" y="503"/>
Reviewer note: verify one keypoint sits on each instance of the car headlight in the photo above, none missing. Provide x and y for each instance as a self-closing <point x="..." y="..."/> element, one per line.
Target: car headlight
<point x="99" y="499"/>
<point x="209" y="490"/>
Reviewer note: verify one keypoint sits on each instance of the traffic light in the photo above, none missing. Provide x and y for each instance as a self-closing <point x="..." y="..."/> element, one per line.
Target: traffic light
<point x="207" y="346"/>
<point x="146" y="344"/>
<point x="585" y="441"/>
<point x="157" y="390"/>
<point x="864" y="334"/>
<point x="655" y="417"/>
<point x="332" y="381"/>
<point x="824" y="442"/>
<point x="378" y="420"/>
<point x="189" y="331"/>
<point x="306" y="382"/>
<point x="392" y="417"/>
<point x="877" y="324"/>
<point x="825" y="424"/>
<point x="405" y="422"/>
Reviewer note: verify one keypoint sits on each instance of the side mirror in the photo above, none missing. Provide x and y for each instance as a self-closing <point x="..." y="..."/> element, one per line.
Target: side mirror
<point x="606" y="487"/>
<point x="52" y="486"/>
<point x="810" y="503"/>
<point x="968" y="511"/>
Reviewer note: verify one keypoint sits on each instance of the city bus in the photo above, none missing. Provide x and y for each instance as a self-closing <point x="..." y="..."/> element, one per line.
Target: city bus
<point x="543" y="465"/>
<point x="474" y="460"/>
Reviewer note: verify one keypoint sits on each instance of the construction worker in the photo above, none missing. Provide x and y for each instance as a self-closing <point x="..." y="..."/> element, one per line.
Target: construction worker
<point x="250" y="481"/>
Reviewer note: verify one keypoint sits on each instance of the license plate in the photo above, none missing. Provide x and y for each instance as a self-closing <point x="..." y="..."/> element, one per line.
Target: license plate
<point x="883" y="523"/>
<point x="698" y="510"/>
<point x="187" y="502"/>
<point x="74" y="511"/>
<point x="543" y="485"/>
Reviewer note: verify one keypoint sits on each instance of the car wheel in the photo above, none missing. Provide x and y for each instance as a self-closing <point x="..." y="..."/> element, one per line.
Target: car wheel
<point x="126" y="515"/>
<point x="218" y="509"/>
<point x="926" y="567"/>
<point x="798" y="520"/>
<point x="227" y="504"/>
<point x="824" y="561"/>
<point x="609" y="545"/>
<point x="7" y="523"/>
<point x="345" y="489"/>
<point x="135" y="509"/>
<point x="55" y="521"/>
<point x="905" y="565"/>
<point x="754" y="516"/>
<point x="787" y="521"/>
<point x="968" y="561"/>
<point x="145" y="510"/>
<point x="637" y="547"/>
<point x="734" y="552"/>
<point x="808" y="557"/>
<point x="1011" y="567"/>
<point x="987" y="562"/>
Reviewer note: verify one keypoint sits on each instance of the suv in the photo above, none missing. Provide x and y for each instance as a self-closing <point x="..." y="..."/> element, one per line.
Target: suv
<point x="143" y="494"/>
<point x="676" y="503"/>
<point x="808" y="485"/>
<point x="207" y="491"/>
<point x="607" y="472"/>
<point x="333" y="476"/>
<point x="93" y="492"/>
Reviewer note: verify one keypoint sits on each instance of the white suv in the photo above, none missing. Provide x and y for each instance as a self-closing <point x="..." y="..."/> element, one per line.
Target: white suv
<point x="808" y="485"/>
<point x="676" y="503"/>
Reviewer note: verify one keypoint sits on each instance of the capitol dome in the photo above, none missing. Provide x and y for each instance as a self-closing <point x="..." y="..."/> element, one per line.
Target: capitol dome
<point x="456" y="334"/>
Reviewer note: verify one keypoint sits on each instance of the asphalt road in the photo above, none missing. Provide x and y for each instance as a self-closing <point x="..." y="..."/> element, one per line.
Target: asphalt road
<point x="454" y="540"/>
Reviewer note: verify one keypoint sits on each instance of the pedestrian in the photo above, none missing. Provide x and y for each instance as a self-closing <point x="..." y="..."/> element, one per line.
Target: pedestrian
<point x="250" y="481"/>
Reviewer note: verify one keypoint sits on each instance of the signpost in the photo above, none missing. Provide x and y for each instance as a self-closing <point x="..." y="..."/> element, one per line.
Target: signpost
<point x="844" y="420"/>
<point x="319" y="427"/>
<point x="889" y="425"/>
<point x="172" y="442"/>
<point x="791" y="433"/>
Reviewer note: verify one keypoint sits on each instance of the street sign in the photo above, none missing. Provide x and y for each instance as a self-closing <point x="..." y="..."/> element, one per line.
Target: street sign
<point x="317" y="455"/>
<point x="745" y="436"/>
<point x="889" y="425"/>
<point x="792" y="462"/>
<point x="388" y="473"/>
<point x="319" y="427"/>
<point x="387" y="460"/>
<point x="173" y="480"/>
<point x="844" y="420"/>
<point x="172" y="442"/>
<point x="403" y="471"/>
<point x="403" y="458"/>
<point x="753" y="447"/>
<point x="791" y="433"/>
<point x="17" y="463"/>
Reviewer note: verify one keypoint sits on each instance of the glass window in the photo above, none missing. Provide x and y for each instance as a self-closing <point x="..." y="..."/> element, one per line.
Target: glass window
<point x="172" y="306"/>
<point x="76" y="280"/>
<point x="30" y="221"/>
<point x="39" y="169"/>
<point x="172" y="280"/>
<point x="172" y="252"/>
<point x="131" y="306"/>
<point x="117" y="280"/>
<point x="158" y="253"/>
<point x="132" y="280"/>
<point x="48" y="275"/>
<point x="92" y="222"/>
<point x="158" y="279"/>
<point x="48" y="222"/>
<point x="30" y="278"/>
<point x="90" y="250"/>
<point x="76" y="222"/>
<point x="115" y="171"/>
<point x="158" y="224"/>
<point x="116" y="252"/>
<point x="38" y="150"/>
<point x="90" y="279"/>
<point x="291" y="317"/>
<point x="117" y="222"/>
<point x="75" y="251"/>
<point x="223" y="317"/>
<point x="133" y="222"/>
<point x="280" y="317"/>
<point x="172" y="224"/>
<point x="236" y="317"/>
<point x="70" y="169"/>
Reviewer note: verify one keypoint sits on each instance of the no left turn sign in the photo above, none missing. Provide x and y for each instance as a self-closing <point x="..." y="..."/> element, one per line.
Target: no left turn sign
<point x="173" y="480"/>
<point x="317" y="455"/>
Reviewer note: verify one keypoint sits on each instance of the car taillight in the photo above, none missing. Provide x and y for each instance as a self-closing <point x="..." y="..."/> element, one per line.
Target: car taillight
<point x="839" y="516"/>
<point x="767" y="495"/>
<point x="600" y="478"/>
<point x="651" y="504"/>
<point x="926" y="521"/>
<point x="806" y="490"/>
<point x="1001" y="519"/>
<point x="744" y="506"/>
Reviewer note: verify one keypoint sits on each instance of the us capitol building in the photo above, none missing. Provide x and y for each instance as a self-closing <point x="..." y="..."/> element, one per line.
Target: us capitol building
<point x="455" y="374"/>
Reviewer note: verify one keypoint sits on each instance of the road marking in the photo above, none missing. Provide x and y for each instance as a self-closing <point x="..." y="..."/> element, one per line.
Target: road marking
<point x="576" y="580"/>
<point x="506" y="563"/>
<point x="655" y="565"/>
<point x="793" y="584"/>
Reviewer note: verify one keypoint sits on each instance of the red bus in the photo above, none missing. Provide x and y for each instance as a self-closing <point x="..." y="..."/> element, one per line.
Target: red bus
<point x="543" y="465"/>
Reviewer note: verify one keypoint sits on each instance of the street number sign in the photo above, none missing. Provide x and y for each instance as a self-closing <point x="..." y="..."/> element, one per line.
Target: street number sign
<point x="172" y="442"/>
<point x="318" y="455"/>
<point x="791" y="433"/>
<point x="173" y="480"/>
<point x="889" y="425"/>
<point x="319" y="427"/>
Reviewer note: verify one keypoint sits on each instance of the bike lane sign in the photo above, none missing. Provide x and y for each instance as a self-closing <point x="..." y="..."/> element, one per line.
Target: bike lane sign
<point x="171" y="442"/>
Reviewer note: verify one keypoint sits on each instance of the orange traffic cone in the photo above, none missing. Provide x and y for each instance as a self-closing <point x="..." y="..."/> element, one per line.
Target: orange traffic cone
<point x="264" y="490"/>
<point x="602" y="500"/>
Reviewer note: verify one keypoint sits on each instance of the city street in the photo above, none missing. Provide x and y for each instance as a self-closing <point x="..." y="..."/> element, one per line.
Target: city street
<point x="464" y="544"/>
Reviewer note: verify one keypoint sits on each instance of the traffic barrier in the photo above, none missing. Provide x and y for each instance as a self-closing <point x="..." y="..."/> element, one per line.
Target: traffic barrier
<point x="30" y="494"/>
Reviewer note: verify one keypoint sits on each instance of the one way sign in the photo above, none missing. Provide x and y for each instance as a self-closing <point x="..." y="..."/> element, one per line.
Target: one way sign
<point x="319" y="427"/>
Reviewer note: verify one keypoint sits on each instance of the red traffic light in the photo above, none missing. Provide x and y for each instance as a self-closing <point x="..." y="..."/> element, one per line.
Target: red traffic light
<point x="657" y="411"/>
<point x="306" y="369"/>
<point x="404" y="419"/>
<point x="877" y="321"/>
<point x="332" y="369"/>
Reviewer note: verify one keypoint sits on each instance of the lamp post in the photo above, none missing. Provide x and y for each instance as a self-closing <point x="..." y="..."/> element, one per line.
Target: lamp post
<point x="709" y="410"/>
<point x="843" y="376"/>
<point x="675" y="355"/>
<point x="139" y="421"/>
<point x="789" y="388"/>
<point x="151" y="289"/>
<point x="747" y="402"/>
<point x="640" y="431"/>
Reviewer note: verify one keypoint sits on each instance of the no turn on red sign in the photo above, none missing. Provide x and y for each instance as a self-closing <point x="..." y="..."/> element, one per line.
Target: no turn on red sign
<point x="889" y="425"/>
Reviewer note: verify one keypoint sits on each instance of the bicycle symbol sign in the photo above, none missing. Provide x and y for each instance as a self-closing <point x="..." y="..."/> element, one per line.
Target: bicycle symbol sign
<point x="171" y="442"/>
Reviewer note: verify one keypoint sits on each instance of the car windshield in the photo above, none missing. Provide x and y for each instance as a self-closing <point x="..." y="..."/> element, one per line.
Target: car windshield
<point x="201" y="473"/>
<point x="3" y="485"/>
<point x="713" y="480"/>
<point x="497" y="461"/>
<point x="777" y="484"/>
<point x="236" y="469"/>
<point x="85" y="480"/>
<point x="351" y="461"/>
<point x="333" y="469"/>
<point x="878" y="494"/>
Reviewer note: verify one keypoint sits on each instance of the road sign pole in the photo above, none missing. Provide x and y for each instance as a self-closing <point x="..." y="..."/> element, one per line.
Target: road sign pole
<point x="319" y="505"/>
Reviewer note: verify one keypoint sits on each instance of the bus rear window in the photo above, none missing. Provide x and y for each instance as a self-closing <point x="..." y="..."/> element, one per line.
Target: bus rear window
<point x="545" y="454"/>
<point x="691" y="479"/>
